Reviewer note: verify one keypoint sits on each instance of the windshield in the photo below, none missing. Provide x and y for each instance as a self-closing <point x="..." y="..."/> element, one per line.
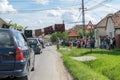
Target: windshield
<point x="32" y="41"/>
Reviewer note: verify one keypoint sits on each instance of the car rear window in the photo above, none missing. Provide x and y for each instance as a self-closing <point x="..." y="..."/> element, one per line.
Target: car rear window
<point x="6" y="40"/>
<point x="32" y="41"/>
<point x="20" y="40"/>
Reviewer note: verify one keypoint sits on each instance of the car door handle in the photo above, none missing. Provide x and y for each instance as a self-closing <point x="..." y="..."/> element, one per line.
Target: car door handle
<point x="11" y="53"/>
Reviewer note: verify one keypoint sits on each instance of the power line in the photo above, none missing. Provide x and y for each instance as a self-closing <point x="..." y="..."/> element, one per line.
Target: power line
<point x="74" y="2"/>
<point x="98" y="5"/>
<point x="97" y="15"/>
<point x="79" y="16"/>
<point x="28" y="1"/>
<point x="87" y="1"/>
<point x="18" y="1"/>
<point x="74" y="22"/>
<point x="37" y="10"/>
<point x="110" y="7"/>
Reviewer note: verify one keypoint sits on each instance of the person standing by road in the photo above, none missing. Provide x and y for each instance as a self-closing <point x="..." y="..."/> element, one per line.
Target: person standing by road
<point x="58" y="41"/>
<point x="92" y="43"/>
<point x="114" y="43"/>
<point x="107" y="42"/>
<point x="71" y="44"/>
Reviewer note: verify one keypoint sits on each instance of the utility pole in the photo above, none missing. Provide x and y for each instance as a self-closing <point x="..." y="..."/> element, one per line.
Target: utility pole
<point x="83" y="18"/>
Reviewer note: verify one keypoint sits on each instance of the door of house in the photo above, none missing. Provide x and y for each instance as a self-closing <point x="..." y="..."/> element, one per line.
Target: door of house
<point x="117" y="37"/>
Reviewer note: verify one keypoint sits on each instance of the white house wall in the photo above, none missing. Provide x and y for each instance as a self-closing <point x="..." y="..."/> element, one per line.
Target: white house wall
<point x="110" y="28"/>
<point x="101" y="32"/>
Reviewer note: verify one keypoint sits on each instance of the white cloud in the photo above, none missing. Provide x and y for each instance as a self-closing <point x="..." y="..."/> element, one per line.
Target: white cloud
<point x="46" y="18"/>
<point x="66" y="0"/>
<point x="5" y="6"/>
<point x="68" y="17"/>
<point x="42" y="1"/>
<point x="54" y="13"/>
<point x="90" y="18"/>
<point x="99" y="13"/>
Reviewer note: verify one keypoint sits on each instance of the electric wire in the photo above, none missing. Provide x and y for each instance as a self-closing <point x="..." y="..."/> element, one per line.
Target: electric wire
<point x="37" y="10"/>
<point x="99" y="5"/>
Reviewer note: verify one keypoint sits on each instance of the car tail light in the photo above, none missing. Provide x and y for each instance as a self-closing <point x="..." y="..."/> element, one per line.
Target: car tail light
<point x="19" y="54"/>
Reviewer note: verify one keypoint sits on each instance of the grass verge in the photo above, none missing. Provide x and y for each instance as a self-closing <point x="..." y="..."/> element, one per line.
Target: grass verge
<point x="105" y="67"/>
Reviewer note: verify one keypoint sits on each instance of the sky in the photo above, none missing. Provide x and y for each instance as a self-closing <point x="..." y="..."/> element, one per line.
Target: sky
<point x="38" y="14"/>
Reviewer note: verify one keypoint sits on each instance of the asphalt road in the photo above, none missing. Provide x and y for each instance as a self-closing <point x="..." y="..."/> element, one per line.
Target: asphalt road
<point x="49" y="66"/>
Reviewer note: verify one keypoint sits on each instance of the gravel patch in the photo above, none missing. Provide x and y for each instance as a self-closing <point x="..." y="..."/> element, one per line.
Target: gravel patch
<point x="84" y="58"/>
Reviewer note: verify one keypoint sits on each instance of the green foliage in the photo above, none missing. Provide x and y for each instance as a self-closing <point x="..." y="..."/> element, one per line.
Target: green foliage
<point x="107" y="63"/>
<point x="53" y="37"/>
<point x="87" y="33"/>
<point x="60" y="35"/>
<point x="80" y="32"/>
<point x="14" y="25"/>
<point x="80" y="71"/>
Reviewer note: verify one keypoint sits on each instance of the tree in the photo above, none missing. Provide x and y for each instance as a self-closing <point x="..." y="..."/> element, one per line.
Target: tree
<point x="80" y="32"/>
<point x="16" y="26"/>
<point x="60" y="35"/>
<point x="87" y="33"/>
<point x="53" y="37"/>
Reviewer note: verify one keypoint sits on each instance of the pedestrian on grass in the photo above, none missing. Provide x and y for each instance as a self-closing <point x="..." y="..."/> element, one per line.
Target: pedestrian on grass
<point x="71" y="44"/>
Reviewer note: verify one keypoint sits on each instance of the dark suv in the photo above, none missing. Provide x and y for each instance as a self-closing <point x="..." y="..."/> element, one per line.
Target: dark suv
<point x="35" y="44"/>
<point x="16" y="57"/>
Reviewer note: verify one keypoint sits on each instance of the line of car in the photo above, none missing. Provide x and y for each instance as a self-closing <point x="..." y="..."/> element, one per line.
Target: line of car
<point x="35" y="43"/>
<point x="17" y="54"/>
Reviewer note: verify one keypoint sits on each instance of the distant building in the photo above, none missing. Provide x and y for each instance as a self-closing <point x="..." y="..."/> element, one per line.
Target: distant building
<point x="72" y="35"/>
<point x="76" y="27"/>
<point x="2" y="22"/>
<point x="109" y="25"/>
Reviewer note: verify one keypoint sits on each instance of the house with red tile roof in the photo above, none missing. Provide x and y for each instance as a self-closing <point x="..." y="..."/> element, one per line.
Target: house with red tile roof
<point x="72" y="35"/>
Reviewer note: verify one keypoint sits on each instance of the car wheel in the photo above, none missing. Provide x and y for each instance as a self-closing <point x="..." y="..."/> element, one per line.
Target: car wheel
<point x="33" y="68"/>
<point x="41" y="51"/>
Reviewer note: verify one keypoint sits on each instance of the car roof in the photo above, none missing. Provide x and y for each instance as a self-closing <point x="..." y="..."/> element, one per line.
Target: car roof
<point x="6" y="29"/>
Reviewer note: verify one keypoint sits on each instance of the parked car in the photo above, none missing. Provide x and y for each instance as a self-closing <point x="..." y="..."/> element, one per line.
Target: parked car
<point x="65" y="43"/>
<point x="75" y="42"/>
<point x="35" y="44"/>
<point x="42" y="42"/>
<point x="16" y="56"/>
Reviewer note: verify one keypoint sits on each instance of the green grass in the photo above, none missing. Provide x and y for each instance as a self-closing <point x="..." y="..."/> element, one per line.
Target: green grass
<point x="105" y="67"/>
<point x="80" y="71"/>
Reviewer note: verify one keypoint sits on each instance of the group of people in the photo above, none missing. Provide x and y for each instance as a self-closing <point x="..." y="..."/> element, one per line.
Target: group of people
<point x="107" y="42"/>
<point x="84" y="43"/>
<point x="88" y="42"/>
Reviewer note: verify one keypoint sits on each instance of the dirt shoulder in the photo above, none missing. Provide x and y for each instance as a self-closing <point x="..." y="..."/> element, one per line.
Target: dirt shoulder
<point x="64" y="74"/>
